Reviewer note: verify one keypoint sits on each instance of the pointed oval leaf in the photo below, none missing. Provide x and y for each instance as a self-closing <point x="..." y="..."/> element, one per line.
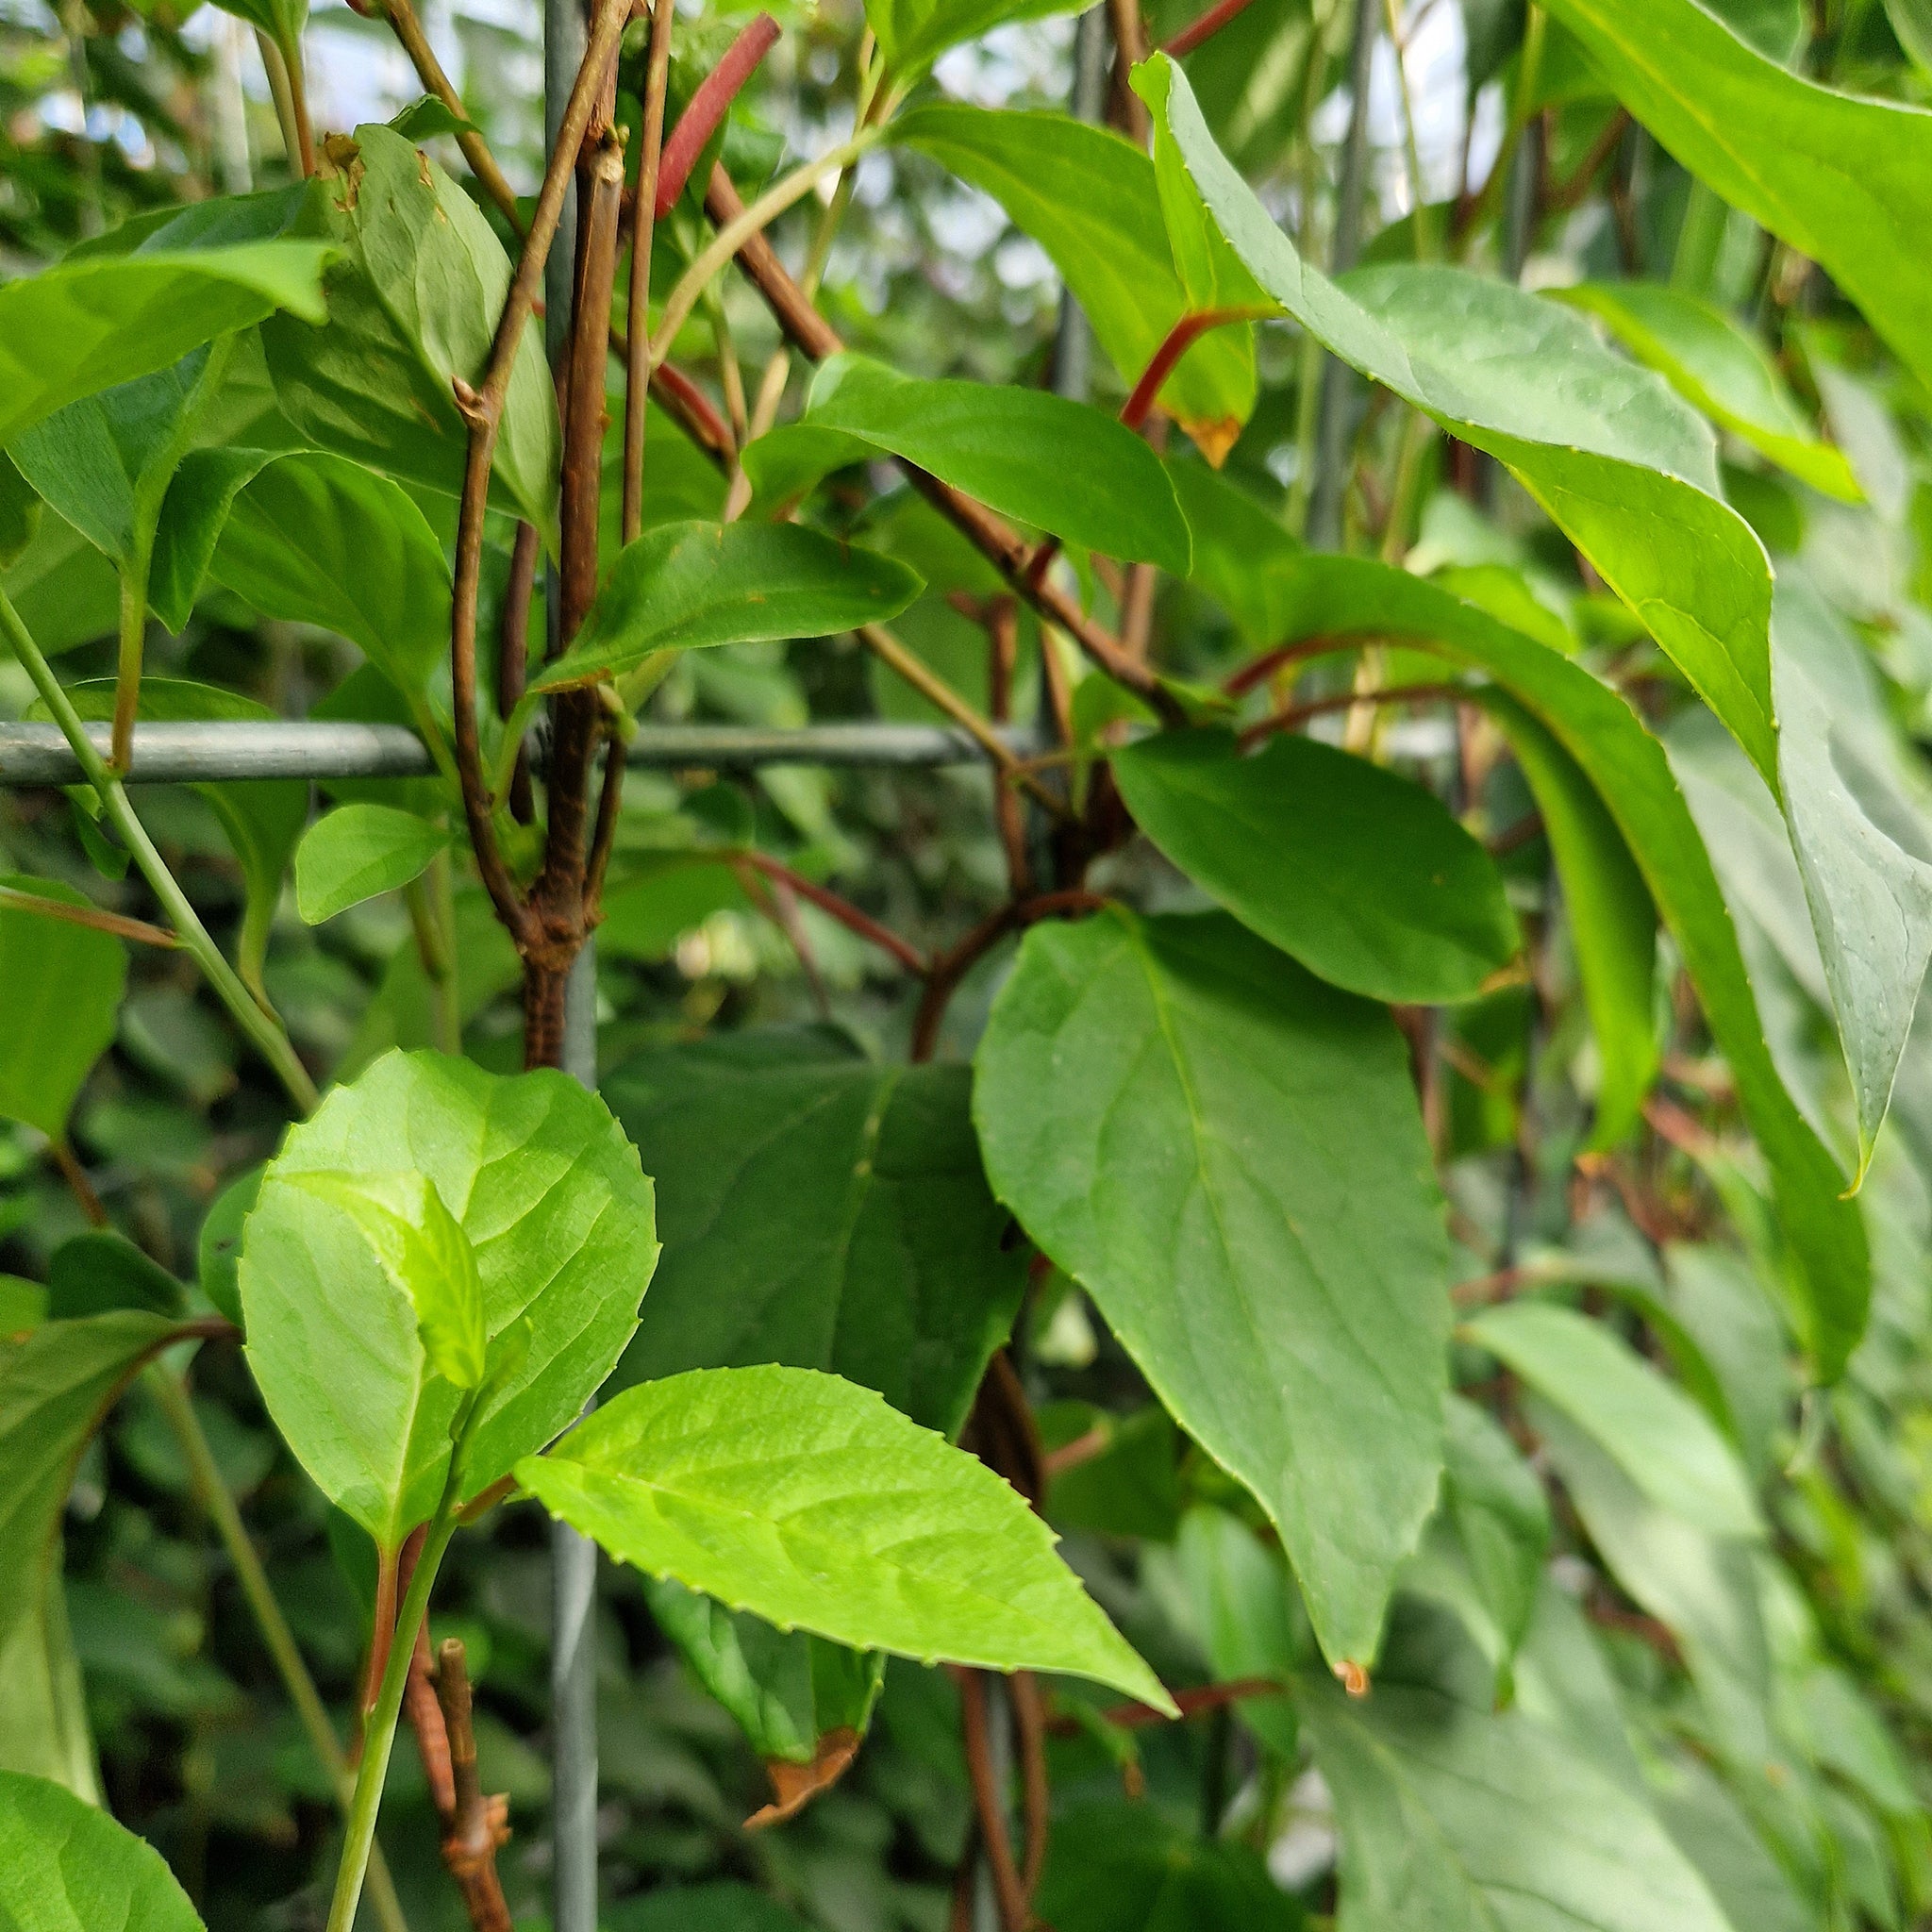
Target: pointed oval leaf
<point x="1501" y="1517"/>
<point x="1339" y="598"/>
<point x="414" y="298"/>
<point x="357" y="851"/>
<point x="1662" y="1440"/>
<point x="97" y="321"/>
<point x="314" y="538"/>
<point x="1623" y="466"/>
<point x="820" y="1212"/>
<point x="1089" y="199"/>
<point x="684" y="585"/>
<point x="1359" y="873"/>
<point x="1843" y="179"/>
<point x="813" y="1505"/>
<point x="66" y="1863"/>
<point x="1721" y="369"/>
<point x="1056" y="464"/>
<point x="426" y="1253"/>
<point x="1226" y="1154"/>
<point x="550" y="1196"/>
<point x="63" y="985"/>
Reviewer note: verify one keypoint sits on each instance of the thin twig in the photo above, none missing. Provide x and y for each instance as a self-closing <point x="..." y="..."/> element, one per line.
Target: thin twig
<point x="1206" y="27"/>
<point x="13" y="900"/>
<point x="1134" y="1717"/>
<point x="847" y="914"/>
<point x="1035" y="1796"/>
<point x="79" y="1184"/>
<point x="475" y="150"/>
<point x="1258" y="670"/>
<point x="708" y="107"/>
<point x="990" y="1805"/>
<point x="638" y="310"/>
<point x="949" y="969"/>
<point x="513" y="656"/>
<point x="475" y="1828"/>
<point x="1343" y="701"/>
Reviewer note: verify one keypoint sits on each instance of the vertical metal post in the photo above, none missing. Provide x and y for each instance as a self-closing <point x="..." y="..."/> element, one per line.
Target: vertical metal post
<point x="573" y="1557"/>
<point x="1338" y="380"/>
<point x="1074" y="339"/>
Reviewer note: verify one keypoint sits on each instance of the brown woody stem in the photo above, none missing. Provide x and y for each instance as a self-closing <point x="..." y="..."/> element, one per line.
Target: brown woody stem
<point x="475" y="150"/>
<point x="847" y="914"/>
<point x="990" y="1805"/>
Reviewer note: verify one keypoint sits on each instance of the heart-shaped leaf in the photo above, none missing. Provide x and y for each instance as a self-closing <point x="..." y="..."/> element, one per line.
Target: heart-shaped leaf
<point x="66" y="1863"/>
<point x="357" y="851"/>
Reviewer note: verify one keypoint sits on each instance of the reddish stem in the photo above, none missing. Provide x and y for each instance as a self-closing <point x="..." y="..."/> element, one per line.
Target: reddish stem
<point x="1206" y="27"/>
<point x="1346" y="700"/>
<point x="1180" y="338"/>
<point x="1134" y="1717"/>
<point x="846" y="913"/>
<point x="949" y="969"/>
<point x="709" y="107"/>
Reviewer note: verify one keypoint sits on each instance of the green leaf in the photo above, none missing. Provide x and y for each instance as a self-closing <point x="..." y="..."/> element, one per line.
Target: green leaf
<point x="428" y="116"/>
<point x="1116" y="1867"/>
<point x="98" y="1272"/>
<point x="815" y="1505"/>
<point x="725" y="1907"/>
<point x="282" y="21"/>
<point x="1452" y="1815"/>
<point x="655" y="906"/>
<point x="103" y="461"/>
<point x="1732" y="1323"/>
<point x="44" y="1726"/>
<point x="820" y="1212"/>
<point x="357" y="851"/>
<point x="1911" y="21"/>
<point x="549" y="1194"/>
<point x="1722" y="370"/>
<point x="1658" y="1437"/>
<point x="785" y="1690"/>
<point x="1871" y="898"/>
<point x="315" y="539"/>
<point x="263" y="817"/>
<point x="424" y="1253"/>
<point x="1089" y="199"/>
<point x="218" y="1250"/>
<point x="94" y="322"/>
<point x="1496" y="1509"/>
<point x="1244" y="1615"/>
<point x="1623" y="466"/>
<point x="19" y="513"/>
<point x="193" y="514"/>
<point x="1361" y="875"/>
<point x="1702" y="1587"/>
<point x="1844" y="179"/>
<point x="413" y="303"/>
<point x="1057" y="465"/>
<point x="64" y="1862"/>
<point x="1613" y="921"/>
<point x="1342" y="598"/>
<point x="1241" y="549"/>
<point x="1226" y="1154"/>
<point x="912" y="34"/>
<point x="685" y="586"/>
<point x="56" y="1384"/>
<point x="63" y="985"/>
<point x="66" y="591"/>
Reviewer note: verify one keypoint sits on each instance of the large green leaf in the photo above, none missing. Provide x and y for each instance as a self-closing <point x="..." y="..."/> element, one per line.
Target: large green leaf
<point x="43" y="1727"/>
<point x="1244" y="1616"/>
<point x="413" y="303"/>
<point x="263" y="817"/>
<point x="912" y="34"/>
<point x="56" y="1384"/>
<point x="722" y="1907"/>
<point x="1056" y="464"/>
<point x="1612" y="920"/>
<point x="1226" y="1154"/>
<point x="822" y="1211"/>
<point x="1658" y="1436"/>
<point x="550" y="1195"/>
<point x="316" y="539"/>
<point x="193" y="514"/>
<point x="63" y="985"/>
<point x="1331" y="596"/>
<point x="65" y="1866"/>
<point x="787" y="1689"/>
<point x="684" y="585"/>
<point x="1625" y="468"/>
<point x="357" y="851"/>
<point x="1128" y="1868"/>
<point x="1722" y="368"/>
<point x="1454" y="1816"/>
<point x="66" y="591"/>
<point x="813" y="1505"/>
<point x="1845" y="180"/>
<point x="94" y="322"/>
<point x="1089" y="199"/>
<point x="1495" y="1506"/>
<point x="1359" y="873"/>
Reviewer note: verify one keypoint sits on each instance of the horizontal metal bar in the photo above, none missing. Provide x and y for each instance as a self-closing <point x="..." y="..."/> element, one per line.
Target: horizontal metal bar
<point x="174" y="754"/>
